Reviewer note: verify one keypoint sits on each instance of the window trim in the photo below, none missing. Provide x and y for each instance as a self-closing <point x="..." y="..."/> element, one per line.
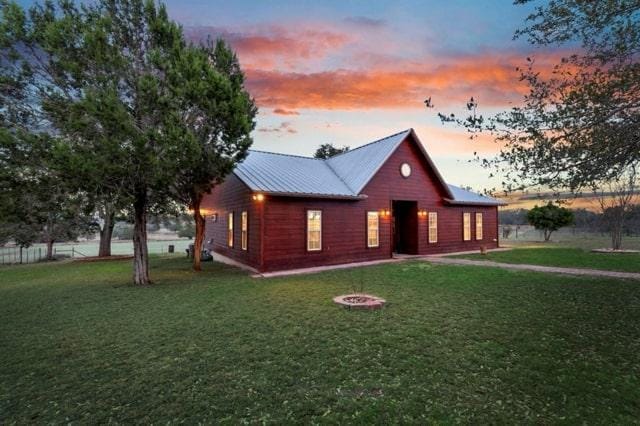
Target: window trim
<point x="244" y="230"/>
<point x="464" y="226"/>
<point x="306" y="221"/>
<point x="479" y="237"/>
<point x="377" y="214"/>
<point x="429" y="235"/>
<point x="230" y="229"/>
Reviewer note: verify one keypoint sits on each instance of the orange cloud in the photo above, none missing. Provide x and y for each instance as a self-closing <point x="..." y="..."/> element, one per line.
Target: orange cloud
<point x="491" y="79"/>
<point x="282" y="111"/>
<point x="348" y="89"/>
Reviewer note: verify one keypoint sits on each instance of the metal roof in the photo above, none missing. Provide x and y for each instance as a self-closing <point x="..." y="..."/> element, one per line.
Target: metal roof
<point x="289" y="174"/>
<point x="356" y="167"/>
<point x="341" y="176"/>
<point x="462" y="196"/>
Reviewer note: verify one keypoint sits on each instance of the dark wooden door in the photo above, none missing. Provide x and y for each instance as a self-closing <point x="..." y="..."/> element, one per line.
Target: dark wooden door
<point x="405" y="227"/>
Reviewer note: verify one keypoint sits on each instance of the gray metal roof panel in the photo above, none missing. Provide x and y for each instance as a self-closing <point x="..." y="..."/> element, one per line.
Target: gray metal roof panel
<point x="462" y="196"/>
<point x="356" y="167"/>
<point x="281" y="173"/>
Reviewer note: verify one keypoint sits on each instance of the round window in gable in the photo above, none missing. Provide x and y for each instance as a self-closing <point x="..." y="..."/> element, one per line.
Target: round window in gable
<point x="405" y="170"/>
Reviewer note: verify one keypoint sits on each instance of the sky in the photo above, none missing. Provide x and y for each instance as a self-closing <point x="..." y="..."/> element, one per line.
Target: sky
<point x="349" y="72"/>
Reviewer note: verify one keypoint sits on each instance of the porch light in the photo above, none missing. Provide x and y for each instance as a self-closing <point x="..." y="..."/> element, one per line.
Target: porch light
<point x="385" y="212"/>
<point x="422" y="213"/>
<point x="258" y="197"/>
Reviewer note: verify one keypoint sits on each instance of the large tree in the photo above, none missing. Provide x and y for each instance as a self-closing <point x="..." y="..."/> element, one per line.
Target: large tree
<point x="42" y="51"/>
<point x="106" y="65"/>
<point x="218" y="115"/>
<point x="579" y="124"/>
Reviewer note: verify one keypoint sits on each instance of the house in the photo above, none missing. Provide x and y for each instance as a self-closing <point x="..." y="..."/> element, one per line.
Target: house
<point x="278" y="211"/>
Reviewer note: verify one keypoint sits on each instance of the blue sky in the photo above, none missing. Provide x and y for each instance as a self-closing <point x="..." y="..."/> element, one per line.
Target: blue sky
<point x="349" y="72"/>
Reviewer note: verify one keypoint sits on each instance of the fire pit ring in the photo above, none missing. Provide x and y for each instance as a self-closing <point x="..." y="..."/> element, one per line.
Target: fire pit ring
<point x="359" y="301"/>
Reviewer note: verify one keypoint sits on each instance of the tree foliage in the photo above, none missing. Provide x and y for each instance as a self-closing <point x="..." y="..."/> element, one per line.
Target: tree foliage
<point x="327" y="150"/>
<point x="549" y="218"/>
<point x="217" y="115"/>
<point x="143" y="118"/>
<point x="579" y="123"/>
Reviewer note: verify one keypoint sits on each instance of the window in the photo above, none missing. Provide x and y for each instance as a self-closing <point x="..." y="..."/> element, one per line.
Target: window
<point x="230" y="229"/>
<point x="244" y="219"/>
<point x="433" y="227"/>
<point x="373" y="232"/>
<point x="466" y="226"/>
<point x="314" y="230"/>
<point x="478" y="226"/>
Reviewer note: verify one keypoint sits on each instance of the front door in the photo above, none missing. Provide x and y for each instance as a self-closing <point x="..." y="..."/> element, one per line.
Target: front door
<point x="405" y="227"/>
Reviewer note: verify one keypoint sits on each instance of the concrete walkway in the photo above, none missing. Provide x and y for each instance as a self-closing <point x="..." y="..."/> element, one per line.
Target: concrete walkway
<point x="535" y="268"/>
<point x="317" y="269"/>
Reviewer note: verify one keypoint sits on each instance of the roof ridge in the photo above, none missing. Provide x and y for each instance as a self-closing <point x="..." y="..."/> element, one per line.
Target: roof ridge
<point x="369" y="143"/>
<point x="286" y="155"/>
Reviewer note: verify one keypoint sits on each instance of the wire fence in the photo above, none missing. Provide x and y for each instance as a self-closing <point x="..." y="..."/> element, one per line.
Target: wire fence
<point x="10" y="254"/>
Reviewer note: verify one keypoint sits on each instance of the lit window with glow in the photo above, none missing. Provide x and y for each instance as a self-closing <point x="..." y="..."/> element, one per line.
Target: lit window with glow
<point x="466" y="226"/>
<point x="314" y="230"/>
<point x="244" y="225"/>
<point x="230" y="229"/>
<point x="478" y="226"/>
<point x="373" y="232"/>
<point x="433" y="227"/>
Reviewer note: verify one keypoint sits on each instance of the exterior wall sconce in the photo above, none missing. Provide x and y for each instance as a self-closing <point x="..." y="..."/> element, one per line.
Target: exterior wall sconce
<point x="385" y="213"/>
<point x="258" y="197"/>
<point x="422" y="213"/>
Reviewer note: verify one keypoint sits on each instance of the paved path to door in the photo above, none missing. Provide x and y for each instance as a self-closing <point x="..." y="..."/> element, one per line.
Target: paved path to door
<point x="536" y="268"/>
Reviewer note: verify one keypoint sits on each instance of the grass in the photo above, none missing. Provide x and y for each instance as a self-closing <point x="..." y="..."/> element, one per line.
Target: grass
<point x="567" y="237"/>
<point x="456" y="344"/>
<point x="564" y="257"/>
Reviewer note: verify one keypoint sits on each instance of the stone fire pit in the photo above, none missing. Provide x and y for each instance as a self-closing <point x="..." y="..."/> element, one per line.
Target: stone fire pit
<point x="359" y="301"/>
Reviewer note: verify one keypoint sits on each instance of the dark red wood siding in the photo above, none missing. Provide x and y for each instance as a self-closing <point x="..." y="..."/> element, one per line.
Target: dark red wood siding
<point x="233" y="196"/>
<point x="344" y="237"/>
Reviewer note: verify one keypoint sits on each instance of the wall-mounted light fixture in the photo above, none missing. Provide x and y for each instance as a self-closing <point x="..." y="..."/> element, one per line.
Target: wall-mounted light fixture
<point x="422" y="213"/>
<point x="258" y="197"/>
<point x="385" y="213"/>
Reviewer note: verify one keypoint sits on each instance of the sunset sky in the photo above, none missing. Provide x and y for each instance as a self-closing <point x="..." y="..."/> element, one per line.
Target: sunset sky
<point x="349" y="72"/>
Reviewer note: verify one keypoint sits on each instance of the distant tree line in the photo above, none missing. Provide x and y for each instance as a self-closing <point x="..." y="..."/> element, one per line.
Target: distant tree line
<point x="583" y="220"/>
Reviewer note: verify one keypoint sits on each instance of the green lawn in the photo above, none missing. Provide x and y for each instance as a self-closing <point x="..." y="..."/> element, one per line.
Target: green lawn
<point x="564" y="257"/>
<point x="455" y="344"/>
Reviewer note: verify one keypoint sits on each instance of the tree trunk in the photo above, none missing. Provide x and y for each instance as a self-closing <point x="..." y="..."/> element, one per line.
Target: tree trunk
<point x="547" y="235"/>
<point x="106" y="233"/>
<point x="200" y="224"/>
<point x="616" y="236"/>
<point x="50" y="249"/>
<point x="140" y="251"/>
